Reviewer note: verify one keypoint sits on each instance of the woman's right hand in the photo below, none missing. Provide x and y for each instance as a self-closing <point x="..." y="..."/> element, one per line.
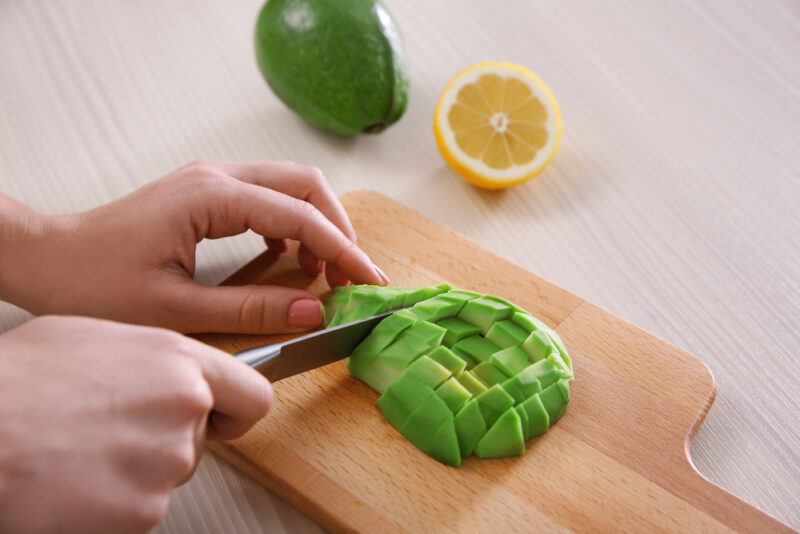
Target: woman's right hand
<point x="99" y="421"/>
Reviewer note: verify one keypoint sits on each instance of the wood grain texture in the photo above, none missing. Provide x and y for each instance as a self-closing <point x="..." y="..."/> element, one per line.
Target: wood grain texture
<point x="673" y="202"/>
<point x="617" y="460"/>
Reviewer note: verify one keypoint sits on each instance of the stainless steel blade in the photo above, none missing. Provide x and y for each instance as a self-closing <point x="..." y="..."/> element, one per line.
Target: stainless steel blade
<point x="277" y="361"/>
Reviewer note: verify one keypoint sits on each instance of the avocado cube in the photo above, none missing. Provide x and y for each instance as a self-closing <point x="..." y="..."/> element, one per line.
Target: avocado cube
<point x="428" y="332"/>
<point x="484" y="312"/>
<point x="506" y="334"/>
<point x="561" y="348"/>
<point x="522" y="386"/>
<point x="504" y="438"/>
<point x="412" y="296"/>
<point x="390" y="363"/>
<point x="470" y="427"/>
<point x="443" y="446"/>
<point x="501" y="300"/>
<point x="422" y="425"/>
<point x="383" y="335"/>
<point x="537" y="346"/>
<point x="457" y="329"/>
<point x="493" y="402"/>
<point x="538" y="419"/>
<point x="445" y="357"/>
<point x="528" y="322"/>
<point x="427" y="371"/>
<point x="555" y="399"/>
<point x="510" y="361"/>
<point x="402" y="398"/>
<point x="488" y="374"/>
<point x="523" y="417"/>
<point x="548" y="372"/>
<point x="472" y="384"/>
<point x="454" y="394"/>
<point x="437" y="308"/>
<point x="478" y="348"/>
<point x="527" y="381"/>
<point x="460" y="295"/>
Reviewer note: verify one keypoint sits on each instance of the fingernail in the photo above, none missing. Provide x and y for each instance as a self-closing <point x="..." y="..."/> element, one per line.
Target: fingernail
<point x="380" y="274"/>
<point x="304" y="313"/>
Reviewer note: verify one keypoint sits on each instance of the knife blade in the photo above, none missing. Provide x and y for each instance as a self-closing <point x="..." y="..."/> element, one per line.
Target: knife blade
<point x="277" y="361"/>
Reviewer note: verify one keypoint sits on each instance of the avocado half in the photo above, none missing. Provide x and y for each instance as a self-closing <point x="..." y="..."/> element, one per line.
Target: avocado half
<point x="338" y="63"/>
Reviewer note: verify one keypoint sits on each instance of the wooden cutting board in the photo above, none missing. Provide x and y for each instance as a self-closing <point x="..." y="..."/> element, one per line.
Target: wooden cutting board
<point x="618" y="460"/>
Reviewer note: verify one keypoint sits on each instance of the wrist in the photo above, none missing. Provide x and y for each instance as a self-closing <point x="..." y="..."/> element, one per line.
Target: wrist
<point x="21" y="234"/>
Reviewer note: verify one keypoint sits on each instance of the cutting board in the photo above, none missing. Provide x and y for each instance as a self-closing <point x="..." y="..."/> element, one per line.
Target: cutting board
<point x="618" y="460"/>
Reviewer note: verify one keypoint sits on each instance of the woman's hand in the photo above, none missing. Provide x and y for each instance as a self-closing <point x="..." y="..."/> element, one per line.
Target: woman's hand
<point x="100" y="421"/>
<point x="133" y="259"/>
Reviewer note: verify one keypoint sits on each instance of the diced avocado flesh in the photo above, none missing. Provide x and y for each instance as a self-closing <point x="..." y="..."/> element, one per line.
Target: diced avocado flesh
<point x="493" y="402"/>
<point x="555" y="399"/>
<point x="402" y="398"/>
<point x="472" y="384"/>
<point x="488" y="374"/>
<point x="504" y="437"/>
<point x="349" y="303"/>
<point x="443" y="446"/>
<point x="484" y="313"/>
<point x="446" y="358"/>
<point x="427" y="371"/>
<point x="538" y="419"/>
<point x="506" y="334"/>
<point x="458" y="372"/>
<point x="454" y="394"/>
<point x="538" y="346"/>
<point x="437" y="308"/>
<point x="390" y="363"/>
<point x="523" y="417"/>
<point x="425" y="421"/>
<point x="457" y="329"/>
<point x="470" y="427"/>
<point x="511" y="360"/>
<point x="478" y="348"/>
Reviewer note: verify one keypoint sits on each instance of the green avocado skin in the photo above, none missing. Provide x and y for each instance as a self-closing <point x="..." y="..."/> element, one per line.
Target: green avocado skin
<point x="337" y="63"/>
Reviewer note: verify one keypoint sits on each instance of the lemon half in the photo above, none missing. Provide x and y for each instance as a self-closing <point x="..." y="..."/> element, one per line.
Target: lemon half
<point x="497" y="124"/>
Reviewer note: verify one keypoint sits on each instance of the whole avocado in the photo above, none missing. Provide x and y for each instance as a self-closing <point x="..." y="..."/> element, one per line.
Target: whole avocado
<point x="337" y="63"/>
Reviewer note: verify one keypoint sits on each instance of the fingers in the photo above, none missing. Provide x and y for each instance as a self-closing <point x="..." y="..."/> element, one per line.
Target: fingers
<point x="299" y="181"/>
<point x="236" y="206"/>
<point x="241" y="395"/>
<point x="276" y="245"/>
<point x="310" y="264"/>
<point x="305" y="183"/>
<point x="243" y="309"/>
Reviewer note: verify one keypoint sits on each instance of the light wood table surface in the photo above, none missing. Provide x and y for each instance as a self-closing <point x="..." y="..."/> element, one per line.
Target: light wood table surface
<point x="674" y="203"/>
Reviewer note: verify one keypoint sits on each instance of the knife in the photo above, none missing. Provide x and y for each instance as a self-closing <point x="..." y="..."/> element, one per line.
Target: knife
<point x="277" y="361"/>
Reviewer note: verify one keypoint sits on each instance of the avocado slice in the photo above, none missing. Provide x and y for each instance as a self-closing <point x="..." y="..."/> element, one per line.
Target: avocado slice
<point x="457" y="329"/>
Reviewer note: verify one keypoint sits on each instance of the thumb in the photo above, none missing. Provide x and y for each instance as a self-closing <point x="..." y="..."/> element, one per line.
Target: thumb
<point x="247" y="309"/>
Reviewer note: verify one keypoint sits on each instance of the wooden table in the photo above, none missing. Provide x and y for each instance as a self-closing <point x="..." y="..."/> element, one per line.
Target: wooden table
<point x="675" y="200"/>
